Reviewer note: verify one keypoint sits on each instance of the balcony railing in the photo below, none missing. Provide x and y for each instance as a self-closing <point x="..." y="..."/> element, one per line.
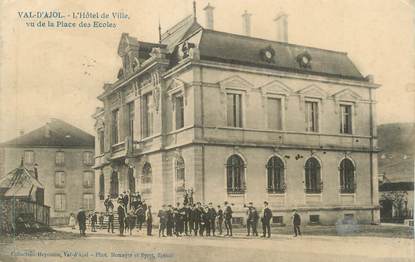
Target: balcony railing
<point x="313" y="190"/>
<point x="278" y="189"/>
<point x="275" y="191"/>
<point x="236" y="190"/>
<point x="348" y="189"/>
<point x="118" y="147"/>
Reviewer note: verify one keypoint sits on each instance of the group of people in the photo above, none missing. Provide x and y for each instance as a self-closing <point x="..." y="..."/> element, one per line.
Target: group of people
<point x="183" y="219"/>
<point x="132" y="212"/>
<point x="94" y="218"/>
<point x="205" y="220"/>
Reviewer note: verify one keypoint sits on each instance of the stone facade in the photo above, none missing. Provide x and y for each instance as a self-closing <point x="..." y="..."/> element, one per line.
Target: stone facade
<point x="202" y="136"/>
<point x="71" y="187"/>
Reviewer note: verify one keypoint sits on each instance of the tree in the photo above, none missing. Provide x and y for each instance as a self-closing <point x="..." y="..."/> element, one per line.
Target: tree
<point x="398" y="199"/>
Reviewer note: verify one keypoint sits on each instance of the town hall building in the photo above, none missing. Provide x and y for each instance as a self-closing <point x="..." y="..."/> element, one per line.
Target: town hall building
<point x="240" y="119"/>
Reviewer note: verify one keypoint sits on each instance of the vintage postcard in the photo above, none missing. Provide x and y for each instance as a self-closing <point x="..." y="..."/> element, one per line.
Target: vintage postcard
<point x="207" y="130"/>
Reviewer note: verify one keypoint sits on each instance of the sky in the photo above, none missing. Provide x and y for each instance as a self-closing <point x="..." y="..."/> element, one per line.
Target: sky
<point x="44" y="72"/>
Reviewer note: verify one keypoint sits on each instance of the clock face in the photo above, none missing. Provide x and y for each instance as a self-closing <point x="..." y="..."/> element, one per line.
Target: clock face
<point x="305" y="60"/>
<point x="268" y="54"/>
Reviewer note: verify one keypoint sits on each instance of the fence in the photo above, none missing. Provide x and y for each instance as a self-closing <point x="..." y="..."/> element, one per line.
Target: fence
<point x="11" y="209"/>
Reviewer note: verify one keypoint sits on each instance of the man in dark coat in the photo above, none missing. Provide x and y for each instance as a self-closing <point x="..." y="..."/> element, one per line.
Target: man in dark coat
<point x="197" y="217"/>
<point x="248" y="218"/>
<point x="186" y="218"/>
<point x="228" y="219"/>
<point x="108" y="203"/>
<point x="81" y="222"/>
<point x="149" y="220"/>
<point x="125" y="200"/>
<point x="135" y="201"/>
<point x="141" y="214"/>
<point x="212" y="218"/>
<point x="220" y="219"/>
<point x="178" y="219"/>
<point x="204" y="222"/>
<point x="111" y="220"/>
<point x="254" y="221"/>
<point x="163" y="220"/>
<point x="170" y="221"/>
<point x="94" y="220"/>
<point x="266" y="220"/>
<point x="131" y="219"/>
<point x="121" y="217"/>
<point x="296" y="223"/>
<point x="191" y="218"/>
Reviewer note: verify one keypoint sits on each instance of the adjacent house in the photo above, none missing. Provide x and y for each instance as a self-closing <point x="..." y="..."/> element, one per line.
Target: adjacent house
<point x="396" y="169"/>
<point x="63" y="156"/>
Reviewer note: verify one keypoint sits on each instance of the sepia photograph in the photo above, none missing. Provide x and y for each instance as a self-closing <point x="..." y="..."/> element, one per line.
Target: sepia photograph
<point x="207" y="130"/>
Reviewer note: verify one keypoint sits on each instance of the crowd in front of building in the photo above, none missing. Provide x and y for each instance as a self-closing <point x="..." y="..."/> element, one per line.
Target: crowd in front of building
<point x="183" y="219"/>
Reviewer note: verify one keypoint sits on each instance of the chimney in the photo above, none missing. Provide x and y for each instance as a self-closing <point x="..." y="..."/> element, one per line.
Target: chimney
<point x="370" y="78"/>
<point x="209" y="16"/>
<point x="282" y="27"/>
<point x="246" y="23"/>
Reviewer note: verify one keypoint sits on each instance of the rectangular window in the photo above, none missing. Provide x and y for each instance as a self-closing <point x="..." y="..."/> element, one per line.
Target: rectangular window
<point x="131" y="108"/>
<point x="88" y="158"/>
<point x="29" y="157"/>
<point x="114" y="125"/>
<point x="60" y="179"/>
<point x="88" y="201"/>
<point x="311" y="116"/>
<point x="234" y="110"/>
<point x="60" y="202"/>
<point x="274" y="114"/>
<point x="60" y="158"/>
<point x="314" y="219"/>
<point x="348" y="218"/>
<point x="101" y="137"/>
<point x="179" y="108"/>
<point x="88" y="179"/>
<point x="237" y="220"/>
<point x="147" y="125"/>
<point x="345" y="119"/>
<point x="277" y="220"/>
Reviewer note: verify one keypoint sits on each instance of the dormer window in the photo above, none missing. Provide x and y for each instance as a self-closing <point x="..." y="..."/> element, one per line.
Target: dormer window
<point x="304" y="60"/>
<point x="186" y="49"/>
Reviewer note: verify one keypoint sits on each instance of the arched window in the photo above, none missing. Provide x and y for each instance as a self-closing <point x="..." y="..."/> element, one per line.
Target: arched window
<point x="131" y="180"/>
<point x="312" y="176"/>
<point x="347" y="183"/>
<point x="114" y="184"/>
<point x="101" y="187"/>
<point x="180" y="175"/>
<point x="275" y="175"/>
<point x="235" y="174"/>
<point x="146" y="179"/>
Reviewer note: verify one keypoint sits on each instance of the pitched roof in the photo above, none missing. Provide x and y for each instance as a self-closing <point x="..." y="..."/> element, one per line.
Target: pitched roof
<point x="182" y="30"/>
<point x="19" y="182"/>
<point x="55" y="133"/>
<point x="398" y="186"/>
<point x="239" y="49"/>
